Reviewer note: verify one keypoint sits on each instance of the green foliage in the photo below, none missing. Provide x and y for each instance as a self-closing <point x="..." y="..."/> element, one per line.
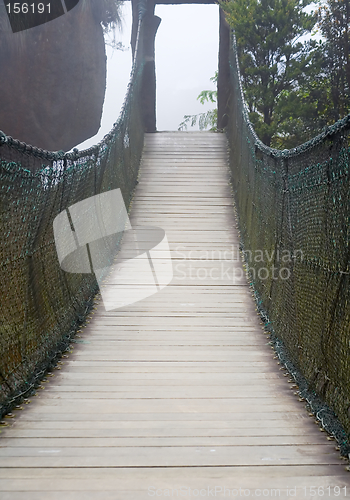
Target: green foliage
<point x="208" y="119"/>
<point x="205" y="120"/>
<point x="334" y="25"/>
<point x="323" y="95"/>
<point x="272" y="58"/>
<point x="207" y="96"/>
<point x="302" y="112"/>
<point x="293" y="89"/>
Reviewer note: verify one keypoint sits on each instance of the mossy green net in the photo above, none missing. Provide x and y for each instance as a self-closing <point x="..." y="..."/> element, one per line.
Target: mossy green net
<point x="41" y="305"/>
<point x="294" y="216"/>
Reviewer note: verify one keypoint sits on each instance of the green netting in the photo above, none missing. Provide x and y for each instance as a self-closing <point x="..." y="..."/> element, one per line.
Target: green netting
<point x="42" y="306"/>
<point x="294" y="213"/>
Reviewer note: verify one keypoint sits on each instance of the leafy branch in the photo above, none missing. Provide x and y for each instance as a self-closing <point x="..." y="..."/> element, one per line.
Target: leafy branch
<point x="208" y="118"/>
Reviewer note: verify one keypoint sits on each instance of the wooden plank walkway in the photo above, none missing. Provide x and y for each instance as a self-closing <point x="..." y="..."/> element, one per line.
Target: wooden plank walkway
<point x="177" y="395"/>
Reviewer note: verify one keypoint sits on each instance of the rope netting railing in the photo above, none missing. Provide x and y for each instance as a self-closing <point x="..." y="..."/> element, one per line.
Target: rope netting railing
<point x="294" y="215"/>
<point x="42" y="305"/>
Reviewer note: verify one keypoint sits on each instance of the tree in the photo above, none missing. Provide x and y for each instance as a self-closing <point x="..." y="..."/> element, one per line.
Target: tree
<point x="334" y="24"/>
<point x="272" y="58"/>
<point x="303" y="112"/>
<point x="323" y="95"/>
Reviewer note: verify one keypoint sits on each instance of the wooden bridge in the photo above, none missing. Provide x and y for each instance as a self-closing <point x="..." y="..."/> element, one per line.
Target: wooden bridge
<point x="179" y="394"/>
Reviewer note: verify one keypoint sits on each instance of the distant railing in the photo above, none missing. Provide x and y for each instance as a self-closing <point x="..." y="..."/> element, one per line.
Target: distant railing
<point x="41" y="305"/>
<point x="294" y="215"/>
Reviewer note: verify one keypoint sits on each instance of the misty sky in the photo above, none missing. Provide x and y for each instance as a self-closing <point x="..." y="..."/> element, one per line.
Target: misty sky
<point x="186" y="57"/>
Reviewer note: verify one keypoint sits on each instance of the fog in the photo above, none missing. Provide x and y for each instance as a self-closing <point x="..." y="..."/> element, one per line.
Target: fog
<point x="186" y="58"/>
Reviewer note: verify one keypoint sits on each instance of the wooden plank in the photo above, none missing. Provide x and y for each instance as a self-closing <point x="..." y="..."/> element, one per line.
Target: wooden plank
<point x="107" y="393"/>
<point x="215" y="373"/>
<point x="94" y="416"/>
<point x="157" y="342"/>
<point x="58" y="431"/>
<point x="171" y="378"/>
<point x="168" y="327"/>
<point x="261" y="396"/>
<point x="125" y="394"/>
<point x="78" y="365"/>
<point x="103" y="428"/>
<point x="182" y="456"/>
<point x="192" y="474"/>
<point x="176" y="320"/>
<point x="169" y="489"/>
<point x="161" y="405"/>
<point x="161" y="441"/>
<point x="190" y="356"/>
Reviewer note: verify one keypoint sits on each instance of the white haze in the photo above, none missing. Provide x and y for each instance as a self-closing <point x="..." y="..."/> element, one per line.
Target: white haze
<point x="186" y="57"/>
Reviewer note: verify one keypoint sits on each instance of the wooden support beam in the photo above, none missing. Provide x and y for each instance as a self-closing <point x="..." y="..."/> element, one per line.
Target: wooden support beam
<point x="148" y="92"/>
<point x="135" y="20"/>
<point x="224" y="73"/>
<point x="150" y="24"/>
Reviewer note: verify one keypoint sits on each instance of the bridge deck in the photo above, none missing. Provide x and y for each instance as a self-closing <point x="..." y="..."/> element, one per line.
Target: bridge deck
<point x="179" y="389"/>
